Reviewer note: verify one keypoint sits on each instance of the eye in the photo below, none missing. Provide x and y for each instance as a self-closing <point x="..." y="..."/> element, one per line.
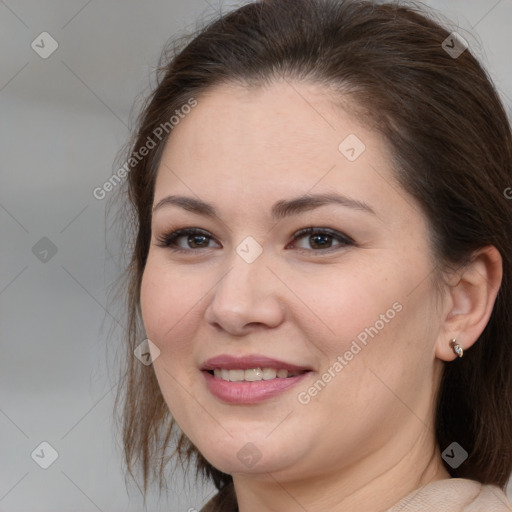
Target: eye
<point x="186" y="240"/>
<point x="318" y="239"/>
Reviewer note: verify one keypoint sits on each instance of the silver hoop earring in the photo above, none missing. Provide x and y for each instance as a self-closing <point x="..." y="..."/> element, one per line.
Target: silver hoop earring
<point x="457" y="348"/>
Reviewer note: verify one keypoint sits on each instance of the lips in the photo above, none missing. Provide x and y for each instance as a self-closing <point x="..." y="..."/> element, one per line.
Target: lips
<point x="250" y="379"/>
<point x="229" y="362"/>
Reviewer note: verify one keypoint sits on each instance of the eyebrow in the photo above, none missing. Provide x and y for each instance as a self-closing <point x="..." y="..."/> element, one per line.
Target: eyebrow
<point x="280" y="209"/>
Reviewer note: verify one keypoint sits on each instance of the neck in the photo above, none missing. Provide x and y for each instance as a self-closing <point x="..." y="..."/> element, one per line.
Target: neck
<point x="368" y="485"/>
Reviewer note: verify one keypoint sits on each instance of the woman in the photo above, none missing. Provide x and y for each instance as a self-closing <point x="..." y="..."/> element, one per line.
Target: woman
<point x="322" y="265"/>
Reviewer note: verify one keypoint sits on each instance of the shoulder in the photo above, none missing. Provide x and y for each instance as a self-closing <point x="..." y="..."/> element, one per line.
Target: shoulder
<point x="455" y="495"/>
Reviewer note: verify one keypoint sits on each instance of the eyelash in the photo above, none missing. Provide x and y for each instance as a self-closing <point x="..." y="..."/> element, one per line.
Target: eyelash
<point x="167" y="240"/>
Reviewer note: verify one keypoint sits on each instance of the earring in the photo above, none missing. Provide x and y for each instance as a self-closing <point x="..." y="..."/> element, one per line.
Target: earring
<point x="457" y="348"/>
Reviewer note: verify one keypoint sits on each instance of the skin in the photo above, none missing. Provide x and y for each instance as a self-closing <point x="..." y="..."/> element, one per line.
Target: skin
<point x="367" y="439"/>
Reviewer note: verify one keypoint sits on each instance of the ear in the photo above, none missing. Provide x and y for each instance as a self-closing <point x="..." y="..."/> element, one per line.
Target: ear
<point x="470" y="296"/>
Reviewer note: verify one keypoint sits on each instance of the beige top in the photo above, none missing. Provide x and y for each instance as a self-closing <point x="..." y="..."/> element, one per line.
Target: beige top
<point x="449" y="495"/>
<point x="454" y="495"/>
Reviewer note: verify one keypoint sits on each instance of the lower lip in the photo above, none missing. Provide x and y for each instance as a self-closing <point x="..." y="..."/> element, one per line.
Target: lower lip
<point x="249" y="392"/>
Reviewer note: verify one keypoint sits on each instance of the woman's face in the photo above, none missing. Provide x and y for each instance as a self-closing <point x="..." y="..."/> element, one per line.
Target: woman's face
<point x="347" y="309"/>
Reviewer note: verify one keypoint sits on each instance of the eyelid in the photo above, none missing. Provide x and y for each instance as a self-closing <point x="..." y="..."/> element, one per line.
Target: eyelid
<point x="320" y="230"/>
<point x="166" y="239"/>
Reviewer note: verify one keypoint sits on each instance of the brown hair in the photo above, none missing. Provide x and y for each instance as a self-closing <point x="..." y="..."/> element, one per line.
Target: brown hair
<point x="452" y="143"/>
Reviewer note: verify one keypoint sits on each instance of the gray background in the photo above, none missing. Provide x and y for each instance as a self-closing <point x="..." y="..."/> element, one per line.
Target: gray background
<point x="63" y="120"/>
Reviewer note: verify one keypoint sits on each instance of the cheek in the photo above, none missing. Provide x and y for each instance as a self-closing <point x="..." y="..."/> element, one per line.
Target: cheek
<point x="169" y="300"/>
<point x="339" y="304"/>
<point x="375" y="316"/>
<point x="168" y="305"/>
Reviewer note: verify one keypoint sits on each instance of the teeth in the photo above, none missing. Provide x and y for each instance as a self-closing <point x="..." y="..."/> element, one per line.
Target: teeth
<point x="269" y="373"/>
<point x="236" y="375"/>
<point x="252" y="374"/>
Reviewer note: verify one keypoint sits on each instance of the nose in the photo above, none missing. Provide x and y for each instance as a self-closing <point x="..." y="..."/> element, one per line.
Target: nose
<point x="246" y="298"/>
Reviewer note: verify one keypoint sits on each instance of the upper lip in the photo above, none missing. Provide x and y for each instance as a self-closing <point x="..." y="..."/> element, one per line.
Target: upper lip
<point x="249" y="361"/>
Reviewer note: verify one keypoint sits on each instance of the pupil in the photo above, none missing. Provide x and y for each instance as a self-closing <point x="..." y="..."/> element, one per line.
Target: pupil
<point x="320" y="240"/>
<point x="193" y="239"/>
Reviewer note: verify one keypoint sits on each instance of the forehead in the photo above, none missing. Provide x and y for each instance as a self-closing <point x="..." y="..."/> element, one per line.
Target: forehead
<point x="283" y="137"/>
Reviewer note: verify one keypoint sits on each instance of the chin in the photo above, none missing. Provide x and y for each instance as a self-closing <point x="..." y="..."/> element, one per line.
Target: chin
<point x="251" y="457"/>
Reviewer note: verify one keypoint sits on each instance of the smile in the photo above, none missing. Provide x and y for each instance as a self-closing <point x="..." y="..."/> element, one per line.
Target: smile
<point x="253" y="374"/>
<point x="250" y="378"/>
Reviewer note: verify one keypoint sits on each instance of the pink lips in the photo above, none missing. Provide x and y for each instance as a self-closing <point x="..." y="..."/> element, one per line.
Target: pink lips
<point x="249" y="392"/>
<point x="249" y="361"/>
